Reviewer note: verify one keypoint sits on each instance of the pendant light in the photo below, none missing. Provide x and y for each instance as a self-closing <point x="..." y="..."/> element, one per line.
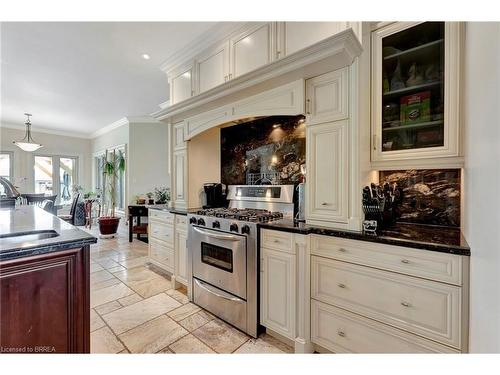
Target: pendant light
<point x="28" y="143"/>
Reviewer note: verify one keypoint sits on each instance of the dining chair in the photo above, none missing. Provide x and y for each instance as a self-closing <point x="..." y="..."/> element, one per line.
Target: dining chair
<point x="71" y="217"/>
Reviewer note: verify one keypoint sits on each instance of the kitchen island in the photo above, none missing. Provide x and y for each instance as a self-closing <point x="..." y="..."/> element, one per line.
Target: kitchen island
<point x="44" y="283"/>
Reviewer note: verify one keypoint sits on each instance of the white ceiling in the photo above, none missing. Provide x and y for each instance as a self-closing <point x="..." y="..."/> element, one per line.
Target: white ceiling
<point x="80" y="77"/>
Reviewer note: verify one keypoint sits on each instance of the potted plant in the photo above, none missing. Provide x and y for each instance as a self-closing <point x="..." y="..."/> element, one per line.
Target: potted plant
<point x="113" y="165"/>
<point x="162" y="195"/>
<point x="150" y="198"/>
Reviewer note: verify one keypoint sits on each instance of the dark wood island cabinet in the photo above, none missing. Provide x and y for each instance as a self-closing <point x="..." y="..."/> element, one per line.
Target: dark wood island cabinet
<point x="44" y="287"/>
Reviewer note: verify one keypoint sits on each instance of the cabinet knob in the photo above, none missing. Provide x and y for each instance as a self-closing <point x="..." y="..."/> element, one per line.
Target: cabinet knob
<point x="405" y="261"/>
<point x="341" y="286"/>
<point x="341" y="333"/>
<point x="405" y="304"/>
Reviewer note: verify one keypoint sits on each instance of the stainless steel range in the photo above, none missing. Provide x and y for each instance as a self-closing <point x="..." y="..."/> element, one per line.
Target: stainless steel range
<point x="223" y="252"/>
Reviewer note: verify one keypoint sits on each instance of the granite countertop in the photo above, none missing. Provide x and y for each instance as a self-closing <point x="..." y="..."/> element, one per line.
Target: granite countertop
<point x="26" y="219"/>
<point x="426" y="237"/>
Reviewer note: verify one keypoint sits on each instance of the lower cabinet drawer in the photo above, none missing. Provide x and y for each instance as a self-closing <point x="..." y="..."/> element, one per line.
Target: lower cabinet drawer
<point x="161" y="231"/>
<point x="161" y="215"/>
<point x="423" y="307"/>
<point x="343" y="332"/>
<point x="161" y="253"/>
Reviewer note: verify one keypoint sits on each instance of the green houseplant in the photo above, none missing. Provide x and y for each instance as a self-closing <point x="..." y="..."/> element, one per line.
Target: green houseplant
<point x="113" y="165"/>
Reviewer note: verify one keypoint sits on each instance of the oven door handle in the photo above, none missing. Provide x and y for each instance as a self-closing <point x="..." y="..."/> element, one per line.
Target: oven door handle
<point x="218" y="236"/>
<point x="210" y="289"/>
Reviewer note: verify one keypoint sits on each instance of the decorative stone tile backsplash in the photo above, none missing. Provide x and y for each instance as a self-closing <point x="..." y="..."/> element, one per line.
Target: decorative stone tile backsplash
<point x="431" y="196"/>
<point x="267" y="150"/>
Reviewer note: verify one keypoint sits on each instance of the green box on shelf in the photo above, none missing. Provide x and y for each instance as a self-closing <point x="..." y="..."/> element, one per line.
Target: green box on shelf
<point x="415" y="108"/>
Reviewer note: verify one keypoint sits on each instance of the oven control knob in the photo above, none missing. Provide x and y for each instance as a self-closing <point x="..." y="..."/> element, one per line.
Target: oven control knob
<point x="192" y="220"/>
<point x="201" y="222"/>
<point x="245" y="229"/>
<point x="233" y="228"/>
<point x="216" y="224"/>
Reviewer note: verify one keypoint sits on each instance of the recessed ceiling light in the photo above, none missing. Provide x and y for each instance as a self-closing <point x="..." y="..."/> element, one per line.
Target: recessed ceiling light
<point x="145" y="56"/>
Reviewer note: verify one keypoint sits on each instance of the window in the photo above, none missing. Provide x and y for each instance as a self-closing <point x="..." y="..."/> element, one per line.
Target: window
<point x="6" y="165"/>
<point x="56" y="175"/>
<point x="5" y="168"/>
<point x="100" y="182"/>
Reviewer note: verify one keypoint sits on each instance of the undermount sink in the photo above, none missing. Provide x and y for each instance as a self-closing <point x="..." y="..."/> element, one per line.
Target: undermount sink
<point x="36" y="235"/>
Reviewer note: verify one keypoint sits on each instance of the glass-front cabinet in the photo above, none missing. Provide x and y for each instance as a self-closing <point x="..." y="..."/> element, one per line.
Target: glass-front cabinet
<point x="415" y="91"/>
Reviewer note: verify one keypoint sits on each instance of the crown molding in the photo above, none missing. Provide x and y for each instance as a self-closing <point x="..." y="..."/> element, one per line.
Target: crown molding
<point x="215" y="34"/>
<point x="46" y="131"/>
<point x="110" y="127"/>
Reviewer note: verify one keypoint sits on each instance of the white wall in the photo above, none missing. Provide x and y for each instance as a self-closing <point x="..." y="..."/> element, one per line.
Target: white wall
<point x="52" y="145"/>
<point x="482" y="182"/>
<point x="115" y="137"/>
<point x="147" y="158"/>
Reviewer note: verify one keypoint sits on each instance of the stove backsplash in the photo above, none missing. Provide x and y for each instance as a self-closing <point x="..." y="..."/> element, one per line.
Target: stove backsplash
<point x="270" y="149"/>
<point x="431" y="196"/>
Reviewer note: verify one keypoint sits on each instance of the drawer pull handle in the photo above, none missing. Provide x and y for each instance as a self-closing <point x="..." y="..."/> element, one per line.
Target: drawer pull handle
<point x="325" y="204"/>
<point x="405" y="261"/>
<point x="341" y="333"/>
<point x="341" y="286"/>
<point x="277" y="241"/>
<point x="342" y="250"/>
<point x="405" y="304"/>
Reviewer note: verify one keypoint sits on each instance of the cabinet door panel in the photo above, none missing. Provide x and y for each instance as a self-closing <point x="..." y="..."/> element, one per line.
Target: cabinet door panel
<point x="212" y="67"/>
<point x="278" y="292"/>
<point x="299" y="35"/>
<point x="252" y="49"/>
<point x="180" y="173"/>
<point x="327" y="97"/>
<point x="182" y="85"/>
<point x="327" y="169"/>
<point x="181" y="257"/>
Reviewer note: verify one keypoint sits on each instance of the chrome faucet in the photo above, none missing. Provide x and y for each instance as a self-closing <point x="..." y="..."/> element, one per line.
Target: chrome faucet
<point x="9" y="188"/>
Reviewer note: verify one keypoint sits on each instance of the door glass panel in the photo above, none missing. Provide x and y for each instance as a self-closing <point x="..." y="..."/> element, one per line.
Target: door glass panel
<point x="43" y="175"/>
<point x="413" y="88"/>
<point x="66" y="174"/>
<point x="217" y="256"/>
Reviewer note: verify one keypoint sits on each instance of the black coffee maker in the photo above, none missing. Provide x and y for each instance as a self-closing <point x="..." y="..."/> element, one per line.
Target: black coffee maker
<point x="216" y="195"/>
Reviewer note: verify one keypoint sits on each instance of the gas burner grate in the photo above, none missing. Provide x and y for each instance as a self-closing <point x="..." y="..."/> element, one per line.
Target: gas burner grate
<point x="245" y="214"/>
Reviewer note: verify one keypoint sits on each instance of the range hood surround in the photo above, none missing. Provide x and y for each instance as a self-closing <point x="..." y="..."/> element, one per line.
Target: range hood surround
<point x="332" y="53"/>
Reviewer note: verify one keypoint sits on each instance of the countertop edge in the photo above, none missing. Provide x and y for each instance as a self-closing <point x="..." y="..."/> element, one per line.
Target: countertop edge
<point x="360" y="236"/>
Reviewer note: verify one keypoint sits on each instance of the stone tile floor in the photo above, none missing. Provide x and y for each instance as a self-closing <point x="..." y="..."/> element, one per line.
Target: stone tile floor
<point x="134" y="309"/>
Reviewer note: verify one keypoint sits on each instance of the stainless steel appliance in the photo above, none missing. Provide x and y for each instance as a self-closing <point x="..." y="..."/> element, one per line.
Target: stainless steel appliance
<point x="223" y="252"/>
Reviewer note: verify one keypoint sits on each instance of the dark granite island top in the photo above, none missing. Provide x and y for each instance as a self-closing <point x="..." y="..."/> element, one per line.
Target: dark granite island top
<point x="29" y="219"/>
<point x="426" y="237"/>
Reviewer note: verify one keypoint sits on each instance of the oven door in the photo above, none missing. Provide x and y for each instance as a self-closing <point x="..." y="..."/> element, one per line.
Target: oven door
<point x="220" y="259"/>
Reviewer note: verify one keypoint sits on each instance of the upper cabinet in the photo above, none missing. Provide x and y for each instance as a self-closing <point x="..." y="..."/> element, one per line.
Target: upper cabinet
<point x="252" y="48"/>
<point x="181" y="83"/>
<point x="212" y="67"/>
<point x="415" y="91"/>
<point x="247" y="49"/>
<point x="294" y="36"/>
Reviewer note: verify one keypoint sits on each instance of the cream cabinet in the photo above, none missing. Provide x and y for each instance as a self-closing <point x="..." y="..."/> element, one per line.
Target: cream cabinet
<point x="212" y="67"/>
<point x="327" y="169"/>
<point x="180" y="160"/>
<point x="278" y="292"/>
<point x="416" y="87"/>
<point x="181" y="82"/>
<point x="252" y="48"/>
<point x="327" y="97"/>
<point x="294" y="36"/>
<point x="161" y="239"/>
<point x="371" y="298"/>
<point x="180" y="246"/>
